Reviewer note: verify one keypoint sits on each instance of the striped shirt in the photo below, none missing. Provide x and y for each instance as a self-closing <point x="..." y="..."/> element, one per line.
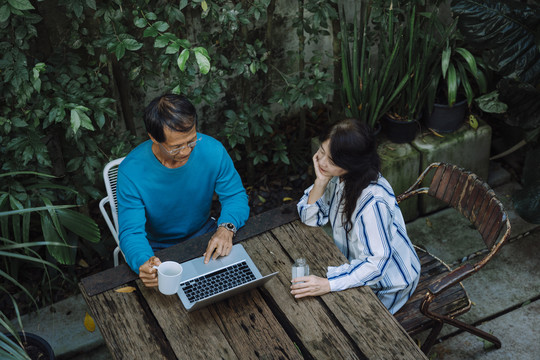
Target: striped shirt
<point x="379" y="251"/>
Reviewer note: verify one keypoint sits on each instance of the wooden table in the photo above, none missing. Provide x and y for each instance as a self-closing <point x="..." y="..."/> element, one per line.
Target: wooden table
<point x="264" y="323"/>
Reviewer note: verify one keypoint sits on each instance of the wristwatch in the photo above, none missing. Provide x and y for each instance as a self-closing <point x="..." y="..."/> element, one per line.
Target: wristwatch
<point x="229" y="227"/>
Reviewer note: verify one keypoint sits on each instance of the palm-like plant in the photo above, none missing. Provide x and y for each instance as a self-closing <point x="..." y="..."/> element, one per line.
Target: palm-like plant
<point x="16" y="248"/>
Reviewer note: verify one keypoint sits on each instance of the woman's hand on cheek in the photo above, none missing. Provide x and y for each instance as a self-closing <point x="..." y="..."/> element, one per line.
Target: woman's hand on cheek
<point x="309" y="286"/>
<point x="316" y="166"/>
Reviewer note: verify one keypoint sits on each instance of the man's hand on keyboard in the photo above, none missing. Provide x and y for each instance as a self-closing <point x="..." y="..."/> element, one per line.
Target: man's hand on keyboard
<point x="219" y="245"/>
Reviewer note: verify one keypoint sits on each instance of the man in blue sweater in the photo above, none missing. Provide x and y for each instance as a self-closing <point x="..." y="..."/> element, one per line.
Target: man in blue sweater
<point x="166" y="184"/>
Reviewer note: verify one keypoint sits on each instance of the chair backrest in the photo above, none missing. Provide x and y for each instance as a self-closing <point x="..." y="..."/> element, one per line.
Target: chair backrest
<point x="473" y="198"/>
<point x="110" y="177"/>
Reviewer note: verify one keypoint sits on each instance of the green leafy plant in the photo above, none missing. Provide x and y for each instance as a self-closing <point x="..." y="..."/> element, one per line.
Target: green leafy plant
<point x="456" y="72"/>
<point x="23" y="242"/>
<point x="19" y="193"/>
<point x="20" y="253"/>
<point x="369" y="68"/>
<point x="419" y="53"/>
<point x="505" y="33"/>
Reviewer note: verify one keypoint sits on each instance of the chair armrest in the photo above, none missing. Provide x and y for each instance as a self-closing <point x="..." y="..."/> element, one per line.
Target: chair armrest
<point x="107" y="218"/>
<point x="451" y="279"/>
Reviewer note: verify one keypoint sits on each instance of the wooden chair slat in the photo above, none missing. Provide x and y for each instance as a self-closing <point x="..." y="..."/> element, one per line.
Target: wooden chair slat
<point x="454" y="300"/>
<point x="476" y="190"/>
<point x="479" y="208"/>
<point x="491" y="230"/>
<point x="460" y="191"/>
<point x="451" y="186"/>
<point x="487" y="209"/>
<point x="436" y="181"/>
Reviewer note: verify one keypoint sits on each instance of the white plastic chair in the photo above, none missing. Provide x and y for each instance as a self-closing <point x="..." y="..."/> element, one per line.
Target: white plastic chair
<point x="110" y="173"/>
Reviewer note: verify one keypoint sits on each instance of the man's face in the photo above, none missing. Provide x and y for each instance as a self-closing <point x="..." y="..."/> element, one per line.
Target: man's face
<point x="177" y="145"/>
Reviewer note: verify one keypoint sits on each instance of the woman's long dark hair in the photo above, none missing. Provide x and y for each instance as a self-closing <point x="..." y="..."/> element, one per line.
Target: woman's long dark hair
<point x="353" y="147"/>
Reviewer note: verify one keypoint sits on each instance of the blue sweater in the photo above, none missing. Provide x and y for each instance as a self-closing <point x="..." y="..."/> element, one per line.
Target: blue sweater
<point x="158" y="205"/>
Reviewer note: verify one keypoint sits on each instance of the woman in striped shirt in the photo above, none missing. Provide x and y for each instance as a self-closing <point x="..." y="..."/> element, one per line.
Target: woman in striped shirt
<point x="367" y="224"/>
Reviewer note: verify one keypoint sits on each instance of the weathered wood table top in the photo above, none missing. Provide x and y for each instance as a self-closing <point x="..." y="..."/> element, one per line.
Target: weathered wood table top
<point x="265" y="323"/>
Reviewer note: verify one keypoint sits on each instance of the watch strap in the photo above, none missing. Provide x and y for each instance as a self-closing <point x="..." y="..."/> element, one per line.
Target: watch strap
<point x="228" y="226"/>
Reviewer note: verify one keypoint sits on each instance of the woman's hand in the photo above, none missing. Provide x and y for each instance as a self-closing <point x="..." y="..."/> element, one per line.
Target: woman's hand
<point x="319" y="185"/>
<point x="309" y="286"/>
<point x="322" y="178"/>
<point x="147" y="273"/>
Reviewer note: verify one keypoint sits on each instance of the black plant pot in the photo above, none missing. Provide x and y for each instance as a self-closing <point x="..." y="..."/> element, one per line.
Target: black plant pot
<point x="35" y="346"/>
<point x="446" y="119"/>
<point x="399" y="131"/>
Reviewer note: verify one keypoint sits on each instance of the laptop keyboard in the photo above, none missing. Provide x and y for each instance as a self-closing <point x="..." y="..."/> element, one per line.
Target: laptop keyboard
<point x="214" y="283"/>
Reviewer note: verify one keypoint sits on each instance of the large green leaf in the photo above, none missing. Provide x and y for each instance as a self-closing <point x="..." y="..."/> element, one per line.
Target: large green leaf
<point x="506" y="32"/>
<point x="182" y="59"/>
<point x="79" y="224"/>
<point x="39" y="208"/>
<point x="60" y="253"/>
<point x="21" y="4"/>
<point x="203" y="59"/>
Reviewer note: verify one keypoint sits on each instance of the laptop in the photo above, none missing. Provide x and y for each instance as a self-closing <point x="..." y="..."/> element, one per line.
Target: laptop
<point x="204" y="284"/>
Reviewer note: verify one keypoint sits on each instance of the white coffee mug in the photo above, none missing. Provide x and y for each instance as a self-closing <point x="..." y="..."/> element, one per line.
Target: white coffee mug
<point x="169" y="276"/>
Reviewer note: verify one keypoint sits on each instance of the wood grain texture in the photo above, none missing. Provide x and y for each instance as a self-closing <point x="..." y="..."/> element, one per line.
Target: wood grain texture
<point x="252" y="329"/>
<point x="241" y="327"/>
<point x="129" y="329"/>
<point x="264" y="323"/>
<point x="367" y="329"/>
<point x="307" y="321"/>
<point x="187" y="333"/>
<point x="363" y="317"/>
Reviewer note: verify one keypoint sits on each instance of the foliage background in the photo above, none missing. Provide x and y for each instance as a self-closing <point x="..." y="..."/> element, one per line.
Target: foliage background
<point x="76" y="75"/>
<point x="265" y="76"/>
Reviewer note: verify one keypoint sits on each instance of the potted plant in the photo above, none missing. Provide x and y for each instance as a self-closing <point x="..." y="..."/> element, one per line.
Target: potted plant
<point x="29" y="346"/>
<point x="370" y="80"/>
<point x="18" y="249"/>
<point x="419" y="48"/>
<point x="455" y="84"/>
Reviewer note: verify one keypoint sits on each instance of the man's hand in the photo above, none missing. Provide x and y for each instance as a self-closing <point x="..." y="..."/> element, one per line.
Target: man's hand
<point x="147" y="273"/>
<point x="219" y="245"/>
<point x="311" y="286"/>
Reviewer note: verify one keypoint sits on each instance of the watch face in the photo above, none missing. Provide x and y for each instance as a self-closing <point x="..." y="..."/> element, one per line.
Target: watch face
<point x="229" y="227"/>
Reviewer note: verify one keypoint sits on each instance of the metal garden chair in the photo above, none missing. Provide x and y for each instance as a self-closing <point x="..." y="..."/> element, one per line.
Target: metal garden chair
<point x="440" y="297"/>
<point x="110" y="173"/>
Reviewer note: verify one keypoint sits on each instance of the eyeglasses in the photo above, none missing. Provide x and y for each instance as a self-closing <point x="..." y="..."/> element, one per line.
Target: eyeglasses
<point x="175" y="151"/>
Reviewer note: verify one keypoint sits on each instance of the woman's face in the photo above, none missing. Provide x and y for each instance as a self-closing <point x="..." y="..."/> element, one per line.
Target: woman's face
<point x="326" y="164"/>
